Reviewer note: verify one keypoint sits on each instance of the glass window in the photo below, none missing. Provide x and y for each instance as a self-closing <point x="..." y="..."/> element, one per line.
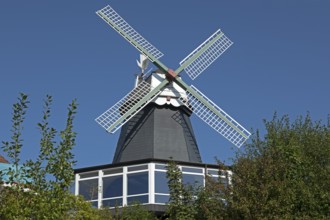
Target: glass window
<point x="213" y="172"/>
<point x="211" y="180"/>
<point x="193" y="180"/>
<point x="94" y="204"/>
<point x="161" y="185"/>
<point x="218" y="172"/>
<point x="215" y="179"/>
<point x="112" y="202"/>
<point x="161" y="198"/>
<point x="224" y="182"/>
<point x="87" y="175"/>
<point x="137" y="199"/>
<point x="137" y="183"/>
<point x="112" y="186"/>
<point x="192" y="170"/>
<point x="89" y="189"/>
<point x="161" y="166"/>
<point x="135" y="168"/>
<point x="71" y="187"/>
<point x="219" y="179"/>
<point x="113" y="171"/>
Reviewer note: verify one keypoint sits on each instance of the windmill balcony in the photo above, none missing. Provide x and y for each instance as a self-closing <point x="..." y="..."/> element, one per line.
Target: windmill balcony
<point x="142" y="181"/>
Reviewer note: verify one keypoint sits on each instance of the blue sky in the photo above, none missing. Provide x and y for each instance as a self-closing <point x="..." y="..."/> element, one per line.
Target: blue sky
<point x="280" y="62"/>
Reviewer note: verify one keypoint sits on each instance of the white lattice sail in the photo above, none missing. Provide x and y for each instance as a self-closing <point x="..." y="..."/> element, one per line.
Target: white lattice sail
<point x="198" y="60"/>
<point x="219" y="121"/>
<point x="113" y="116"/>
<point x="111" y="17"/>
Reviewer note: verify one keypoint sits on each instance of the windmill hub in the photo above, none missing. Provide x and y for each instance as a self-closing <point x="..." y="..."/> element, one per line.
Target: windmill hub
<point x="170" y="75"/>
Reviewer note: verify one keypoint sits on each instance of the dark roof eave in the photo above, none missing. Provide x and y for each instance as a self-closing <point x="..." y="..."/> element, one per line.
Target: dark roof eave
<point x="136" y="162"/>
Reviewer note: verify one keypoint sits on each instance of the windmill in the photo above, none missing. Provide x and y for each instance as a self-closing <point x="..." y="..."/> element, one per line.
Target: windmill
<point x="168" y="82"/>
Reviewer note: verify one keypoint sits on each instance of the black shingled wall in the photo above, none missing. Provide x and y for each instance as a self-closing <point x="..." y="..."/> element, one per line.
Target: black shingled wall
<point x="158" y="132"/>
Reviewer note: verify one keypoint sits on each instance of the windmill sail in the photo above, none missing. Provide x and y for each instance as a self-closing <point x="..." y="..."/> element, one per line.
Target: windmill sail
<point x="127" y="107"/>
<point x="111" y="17"/>
<point x="215" y="117"/>
<point x="204" y="55"/>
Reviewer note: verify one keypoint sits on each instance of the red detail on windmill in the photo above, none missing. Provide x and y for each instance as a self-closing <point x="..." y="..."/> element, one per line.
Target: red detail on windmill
<point x="170" y="75"/>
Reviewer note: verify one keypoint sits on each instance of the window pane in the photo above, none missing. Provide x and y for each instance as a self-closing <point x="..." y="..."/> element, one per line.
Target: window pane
<point x="71" y="187"/>
<point x="112" y="186"/>
<point x="112" y="171"/>
<point x="87" y="175"/>
<point x="137" y="199"/>
<point x="94" y="204"/>
<point x="213" y="172"/>
<point x="135" y="168"/>
<point x="161" y="183"/>
<point x="217" y="172"/>
<point x="193" y="180"/>
<point x="220" y="179"/>
<point x="137" y="183"/>
<point x="161" y="166"/>
<point x="112" y="202"/>
<point x="224" y="182"/>
<point x="161" y="198"/>
<point x="192" y="170"/>
<point x="88" y="189"/>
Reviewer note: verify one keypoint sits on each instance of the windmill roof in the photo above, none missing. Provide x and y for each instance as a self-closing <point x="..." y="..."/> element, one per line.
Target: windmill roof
<point x="3" y="160"/>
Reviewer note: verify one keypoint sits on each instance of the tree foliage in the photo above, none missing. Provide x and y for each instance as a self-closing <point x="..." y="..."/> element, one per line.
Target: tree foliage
<point x="283" y="175"/>
<point x="187" y="202"/>
<point x="286" y="174"/>
<point x="13" y="147"/>
<point x="211" y="200"/>
<point x="40" y="187"/>
<point x="181" y="204"/>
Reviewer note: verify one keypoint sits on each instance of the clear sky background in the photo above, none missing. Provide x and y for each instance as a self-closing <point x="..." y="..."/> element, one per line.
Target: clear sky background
<point x="280" y="62"/>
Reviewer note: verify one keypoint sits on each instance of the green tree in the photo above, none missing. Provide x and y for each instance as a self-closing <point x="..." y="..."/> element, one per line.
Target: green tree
<point x="13" y="147"/>
<point x="285" y="175"/>
<point x="211" y="200"/>
<point x="181" y="204"/>
<point x="48" y="177"/>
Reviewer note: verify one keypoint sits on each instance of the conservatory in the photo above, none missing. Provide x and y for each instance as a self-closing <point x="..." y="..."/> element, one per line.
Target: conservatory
<point x="141" y="181"/>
